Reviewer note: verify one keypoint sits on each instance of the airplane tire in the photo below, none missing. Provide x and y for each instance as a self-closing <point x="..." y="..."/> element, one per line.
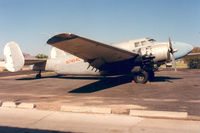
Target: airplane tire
<point x="141" y="77"/>
<point x="38" y="76"/>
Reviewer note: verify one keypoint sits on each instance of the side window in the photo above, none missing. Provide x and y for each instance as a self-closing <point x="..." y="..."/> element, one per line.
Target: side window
<point x="144" y="43"/>
<point x="137" y="44"/>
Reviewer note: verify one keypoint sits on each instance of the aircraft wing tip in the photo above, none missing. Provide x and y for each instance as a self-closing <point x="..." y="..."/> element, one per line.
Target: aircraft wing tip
<point x="61" y="37"/>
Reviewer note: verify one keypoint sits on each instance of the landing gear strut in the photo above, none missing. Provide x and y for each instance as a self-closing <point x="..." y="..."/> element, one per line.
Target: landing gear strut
<point x="38" y="76"/>
<point x="151" y="75"/>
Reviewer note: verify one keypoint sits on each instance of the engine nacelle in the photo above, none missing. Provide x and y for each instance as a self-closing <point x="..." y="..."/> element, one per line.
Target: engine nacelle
<point x="159" y="51"/>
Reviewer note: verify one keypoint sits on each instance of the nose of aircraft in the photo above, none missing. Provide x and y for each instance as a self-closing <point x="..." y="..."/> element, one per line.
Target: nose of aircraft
<point x="183" y="49"/>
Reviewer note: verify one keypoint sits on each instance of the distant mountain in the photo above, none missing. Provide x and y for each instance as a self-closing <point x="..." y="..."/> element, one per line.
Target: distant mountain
<point x="28" y="56"/>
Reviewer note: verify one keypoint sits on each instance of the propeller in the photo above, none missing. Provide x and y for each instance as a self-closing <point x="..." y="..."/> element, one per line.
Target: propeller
<point x="172" y="51"/>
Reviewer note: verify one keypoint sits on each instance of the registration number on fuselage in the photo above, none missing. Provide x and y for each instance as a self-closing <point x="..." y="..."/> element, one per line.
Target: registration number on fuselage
<point x="72" y="60"/>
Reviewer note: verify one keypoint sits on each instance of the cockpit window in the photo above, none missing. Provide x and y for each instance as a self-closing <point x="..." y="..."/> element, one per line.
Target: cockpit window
<point x="152" y="40"/>
<point x="137" y="44"/>
<point x="144" y="43"/>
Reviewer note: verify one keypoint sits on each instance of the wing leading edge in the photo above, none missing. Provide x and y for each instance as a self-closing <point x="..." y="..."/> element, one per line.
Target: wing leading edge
<point x="96" y="53"/>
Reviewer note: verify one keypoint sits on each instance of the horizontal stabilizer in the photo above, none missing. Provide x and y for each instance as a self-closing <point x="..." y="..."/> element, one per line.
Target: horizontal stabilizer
<point x="34" y="61"/>
<point x="2" y="64"/>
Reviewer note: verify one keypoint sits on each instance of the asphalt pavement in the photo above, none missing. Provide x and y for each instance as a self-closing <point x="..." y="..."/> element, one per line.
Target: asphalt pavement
<point x="170" y="91"/>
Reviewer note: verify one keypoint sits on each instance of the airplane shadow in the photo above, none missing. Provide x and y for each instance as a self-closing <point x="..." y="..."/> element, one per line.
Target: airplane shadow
<point x="63" y="77"/>
<point x="6" y="129"/>
<point x="111" y="82"/>
<point x="164" y="79"/>
<point x="103" y="83"/>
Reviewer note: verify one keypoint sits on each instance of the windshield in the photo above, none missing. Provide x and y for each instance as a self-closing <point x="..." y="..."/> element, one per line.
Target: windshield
<point x="152" y="40"/>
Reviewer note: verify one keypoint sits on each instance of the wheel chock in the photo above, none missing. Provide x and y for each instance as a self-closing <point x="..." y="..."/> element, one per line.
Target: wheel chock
<point x="148" y="82"/>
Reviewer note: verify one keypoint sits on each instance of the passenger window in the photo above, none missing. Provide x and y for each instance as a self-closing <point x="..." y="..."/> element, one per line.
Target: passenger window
<point x="144" y="43"/>
<point x="137" y="44"/>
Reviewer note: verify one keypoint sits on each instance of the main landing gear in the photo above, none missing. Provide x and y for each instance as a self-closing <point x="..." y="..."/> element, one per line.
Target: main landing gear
<point x="38" y="76"/>
<point x="143" y="76"/>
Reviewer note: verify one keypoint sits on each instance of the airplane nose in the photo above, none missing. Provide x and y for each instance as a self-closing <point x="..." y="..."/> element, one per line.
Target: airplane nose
<point x="183" y="49"/>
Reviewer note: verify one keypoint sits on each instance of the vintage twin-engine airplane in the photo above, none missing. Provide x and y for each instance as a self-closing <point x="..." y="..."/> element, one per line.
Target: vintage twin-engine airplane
<point x="137" y="58"/>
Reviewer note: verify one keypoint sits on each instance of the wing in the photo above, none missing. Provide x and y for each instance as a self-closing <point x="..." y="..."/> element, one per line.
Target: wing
<point x="94" y="52"/>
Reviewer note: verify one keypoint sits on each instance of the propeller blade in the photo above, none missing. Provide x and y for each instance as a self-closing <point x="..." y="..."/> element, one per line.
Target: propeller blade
<point x="172" y="54"/>
<point x="173" y="61"/>
<point x="170" y="45"/>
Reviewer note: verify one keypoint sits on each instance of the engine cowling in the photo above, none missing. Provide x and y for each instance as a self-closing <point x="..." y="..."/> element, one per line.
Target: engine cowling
<point x="160" y="52"/>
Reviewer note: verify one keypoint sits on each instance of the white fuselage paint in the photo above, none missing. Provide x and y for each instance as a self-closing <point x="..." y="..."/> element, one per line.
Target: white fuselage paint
<point x="65" y="63"/>
<point x="77" y="66"/>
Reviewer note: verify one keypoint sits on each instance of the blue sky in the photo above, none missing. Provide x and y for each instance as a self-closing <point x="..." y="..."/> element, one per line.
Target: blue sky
<point x="31" y="22"/>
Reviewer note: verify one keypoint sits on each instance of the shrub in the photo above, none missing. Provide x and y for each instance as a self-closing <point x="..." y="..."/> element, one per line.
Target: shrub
<point x="193" y="63"/>
<point x="41" y="56"/>
<point x="5" y="70"/>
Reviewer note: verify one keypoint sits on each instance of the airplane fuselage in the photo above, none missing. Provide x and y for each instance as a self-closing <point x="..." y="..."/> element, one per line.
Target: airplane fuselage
<point x="72" y="54"/>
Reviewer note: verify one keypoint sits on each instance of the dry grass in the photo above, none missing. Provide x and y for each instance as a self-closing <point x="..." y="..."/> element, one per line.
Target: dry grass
<point x="2" y="69"/>
<point x="178" y="65"/>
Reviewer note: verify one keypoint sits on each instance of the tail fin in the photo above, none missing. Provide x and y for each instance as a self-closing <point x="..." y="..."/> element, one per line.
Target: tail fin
<point x="57" y="53"/>
<point x="14" y="59"/>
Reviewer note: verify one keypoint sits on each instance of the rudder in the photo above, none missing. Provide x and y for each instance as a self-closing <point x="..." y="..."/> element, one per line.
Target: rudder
<point x="57" y="53"/>
<point x="14" y="59"/>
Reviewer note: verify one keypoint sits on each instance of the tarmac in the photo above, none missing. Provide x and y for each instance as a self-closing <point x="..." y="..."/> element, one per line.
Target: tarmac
<point x="173" y="93"/>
